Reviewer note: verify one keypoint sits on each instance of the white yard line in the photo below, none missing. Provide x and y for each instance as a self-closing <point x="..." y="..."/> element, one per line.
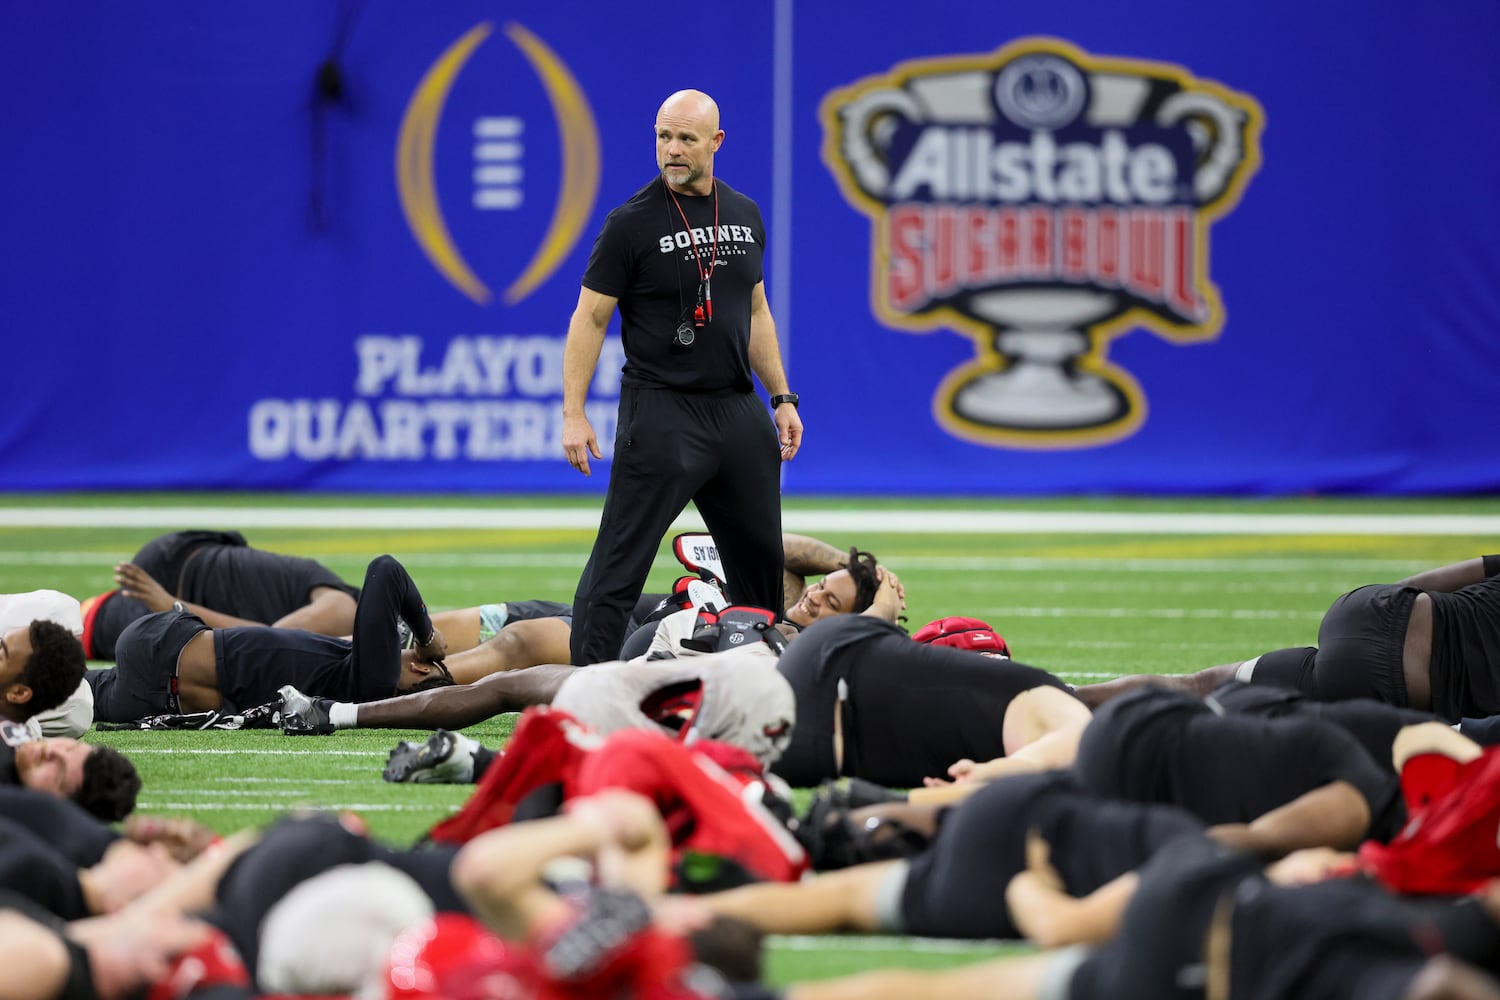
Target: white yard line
<point x="903" y="521"/>
<point x="880" y="942"/>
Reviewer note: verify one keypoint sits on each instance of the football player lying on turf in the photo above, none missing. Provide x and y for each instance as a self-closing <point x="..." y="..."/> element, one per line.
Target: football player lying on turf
<point x="1430" y="642"/>
<point x="863" y="587"/>
<point x="172" y="662"/>
<point x="99" y="778"/>
<point x="1207" y="921"/>
<point x="956" y="886"/>
<point x="727" y="823"/>
<point x="73" y="714"/>
<point x="313" y="903"/>
<point x="226" y="582"/>
<point x="1273" y="785"/>
<point x="733" y="695"/>
<point x="1373" y="724"/>
<point x="495" y="638"/>
<point x="873" y="704"/>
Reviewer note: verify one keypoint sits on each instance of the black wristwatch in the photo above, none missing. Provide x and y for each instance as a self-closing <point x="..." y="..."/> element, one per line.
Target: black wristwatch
<point x="785" y="397"/>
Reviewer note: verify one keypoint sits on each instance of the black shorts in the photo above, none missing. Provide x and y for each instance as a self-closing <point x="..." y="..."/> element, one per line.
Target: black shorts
<point x="143" y="680"/>
<point x="1360" y="648"/>
<point x="115" y="613"/>
<point x="525" y="611"/>
<point x="164" y="557"/>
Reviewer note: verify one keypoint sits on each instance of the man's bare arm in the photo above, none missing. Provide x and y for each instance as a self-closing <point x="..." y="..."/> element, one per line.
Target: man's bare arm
<point x="803" y="557"/>
<point x="580" y="357"/>
<point x="765" y="361"/>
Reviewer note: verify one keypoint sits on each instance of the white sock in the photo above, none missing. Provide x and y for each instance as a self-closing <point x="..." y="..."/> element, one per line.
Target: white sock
<point x="1245" y="671"/>
<point x="344" y="715"/>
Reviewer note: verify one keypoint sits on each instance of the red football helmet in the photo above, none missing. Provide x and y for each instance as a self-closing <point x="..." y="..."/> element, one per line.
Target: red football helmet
<point x="963" y="633"/>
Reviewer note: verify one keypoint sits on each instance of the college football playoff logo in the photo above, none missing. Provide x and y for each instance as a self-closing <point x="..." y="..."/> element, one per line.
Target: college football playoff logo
<point x="498" y="143"/>
<point x="1042" y="201"/>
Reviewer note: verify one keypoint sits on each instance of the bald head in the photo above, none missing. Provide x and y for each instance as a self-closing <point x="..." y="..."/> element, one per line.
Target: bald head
<point x="687" y="137"/>
<point x="691" y="104"/>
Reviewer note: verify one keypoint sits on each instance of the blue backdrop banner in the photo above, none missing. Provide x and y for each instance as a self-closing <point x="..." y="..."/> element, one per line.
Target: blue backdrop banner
<point x="1160" y="247"/>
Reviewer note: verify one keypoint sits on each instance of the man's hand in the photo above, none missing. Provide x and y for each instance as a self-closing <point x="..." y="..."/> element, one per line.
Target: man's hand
<point x="958" y="771"/>
<point x="622" y="817"/>
<point x="890" y="597"/>
<point x="184" y="839"/>
<point x="433" y="650"/>
<point x="137" y="583"/>
<point x="579" y="442"/>
<point x="788" y="430"/>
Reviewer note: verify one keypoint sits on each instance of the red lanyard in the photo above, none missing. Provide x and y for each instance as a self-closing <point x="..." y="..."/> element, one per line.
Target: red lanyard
<point x="705" y="285"/>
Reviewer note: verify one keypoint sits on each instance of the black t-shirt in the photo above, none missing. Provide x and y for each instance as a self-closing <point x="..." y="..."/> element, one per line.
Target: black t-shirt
<point x="1374" y="723"/>
<point x="251" y="583"/>
<point x="1162" y="746"/>
<point x="956" y="888"/>
<point x="66" y="827"/>
<point x="298" y="848"/>
<point x="30" y="867"/>
<point x="1466" y="651"/>
<point x="644" y="257"/>
<point x="1158" y="953"/>
<point x="911" y="708"/>
<point x="1339" y="938"/>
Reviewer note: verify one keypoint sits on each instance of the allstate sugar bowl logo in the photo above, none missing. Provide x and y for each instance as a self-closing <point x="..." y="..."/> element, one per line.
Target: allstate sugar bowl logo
<point x="1042" y="201"/>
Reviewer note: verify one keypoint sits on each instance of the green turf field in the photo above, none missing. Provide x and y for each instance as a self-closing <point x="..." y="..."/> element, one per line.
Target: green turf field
<point x="1087" y="606"/>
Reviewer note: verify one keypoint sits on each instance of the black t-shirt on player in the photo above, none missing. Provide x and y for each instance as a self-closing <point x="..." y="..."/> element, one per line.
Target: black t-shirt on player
<point x="644" y="257"/>
<point x="1162" y="746"/>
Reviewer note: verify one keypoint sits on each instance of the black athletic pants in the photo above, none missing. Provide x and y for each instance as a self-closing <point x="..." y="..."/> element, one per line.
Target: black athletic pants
<point x="720" y="452"/>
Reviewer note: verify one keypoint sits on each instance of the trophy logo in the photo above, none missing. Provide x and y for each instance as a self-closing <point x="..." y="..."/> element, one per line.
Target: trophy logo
<point x="1042" y="201"/>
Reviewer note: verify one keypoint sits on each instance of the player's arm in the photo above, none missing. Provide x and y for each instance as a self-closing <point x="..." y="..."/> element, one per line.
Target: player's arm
<point x="845" y="900"/>
<point x="1334" y="815"/>
<point x="36" y="960"/>
<point x="765" y="361"/>
<point x="137" y="583"/>
<point x="1446" y="579"/>
<point x="803" y="557"/>
<point x="328" y="611"/>
<point x="580" y="357"/>
<point x="499" y="873"/>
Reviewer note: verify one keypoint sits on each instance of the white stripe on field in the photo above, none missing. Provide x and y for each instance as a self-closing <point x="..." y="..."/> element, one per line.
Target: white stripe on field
<point x="947" y="564"/>
<point x="904" y="521"/>
<point x="364" y="807"/>
<point x="879" y="942"/>
<point x="1237" y="614"/>
<point x="259" y="753"/>
<point x="282" y="781"/>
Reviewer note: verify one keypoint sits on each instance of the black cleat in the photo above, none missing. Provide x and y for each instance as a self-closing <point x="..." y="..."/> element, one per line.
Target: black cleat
<point x="446" y="758"/>
<point x="304" y="716"/>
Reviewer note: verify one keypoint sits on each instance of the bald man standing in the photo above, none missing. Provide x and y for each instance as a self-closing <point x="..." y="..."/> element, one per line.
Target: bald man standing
<point x="682" y="261"/>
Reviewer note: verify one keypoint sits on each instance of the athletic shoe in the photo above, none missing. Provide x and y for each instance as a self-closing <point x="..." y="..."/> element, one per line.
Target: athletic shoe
<point x="446" y="758"/>
<point x="304" y="716"/>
